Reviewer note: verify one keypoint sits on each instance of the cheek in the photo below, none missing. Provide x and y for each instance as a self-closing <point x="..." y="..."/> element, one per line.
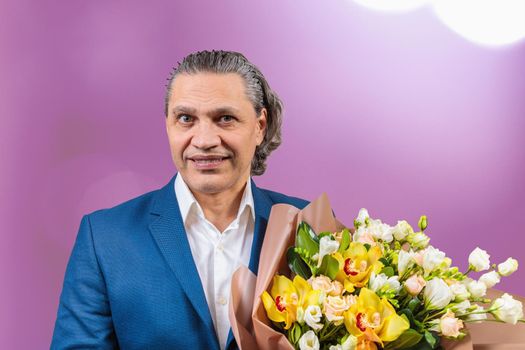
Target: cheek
<point x="245" y="145"/>
<point x="178" y="144"/>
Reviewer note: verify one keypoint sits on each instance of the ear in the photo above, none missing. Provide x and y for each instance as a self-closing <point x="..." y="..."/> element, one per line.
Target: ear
<point x="261" y="126"/>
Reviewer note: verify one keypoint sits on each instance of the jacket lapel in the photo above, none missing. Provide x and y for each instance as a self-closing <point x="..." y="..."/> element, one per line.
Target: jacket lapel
<point x="263" y="206"/>
<point x="170" y="235"/>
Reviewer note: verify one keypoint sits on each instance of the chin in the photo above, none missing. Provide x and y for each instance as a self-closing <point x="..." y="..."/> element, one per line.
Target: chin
<point x="208" y="185"/>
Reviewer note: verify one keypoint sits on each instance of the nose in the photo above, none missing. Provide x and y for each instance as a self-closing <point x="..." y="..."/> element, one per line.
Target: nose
<point x="205" y="136"/>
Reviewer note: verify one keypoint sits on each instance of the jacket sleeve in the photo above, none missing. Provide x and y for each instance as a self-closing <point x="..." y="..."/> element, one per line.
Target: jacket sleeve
<point x="84" y="315"/>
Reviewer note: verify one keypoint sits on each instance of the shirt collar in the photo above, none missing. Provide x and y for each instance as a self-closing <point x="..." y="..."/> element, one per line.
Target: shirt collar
<point x="187" y="201"/>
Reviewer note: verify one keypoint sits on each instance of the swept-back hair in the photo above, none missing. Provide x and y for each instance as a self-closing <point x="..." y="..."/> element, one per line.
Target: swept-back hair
<point x="257" y="89"/>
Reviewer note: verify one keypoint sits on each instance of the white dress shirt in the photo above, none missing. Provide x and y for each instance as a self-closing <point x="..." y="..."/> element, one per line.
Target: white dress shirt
<point x="217" y="255"/>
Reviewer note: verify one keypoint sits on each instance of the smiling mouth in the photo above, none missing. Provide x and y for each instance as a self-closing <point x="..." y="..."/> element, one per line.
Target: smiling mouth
<point x="208" y="162"/>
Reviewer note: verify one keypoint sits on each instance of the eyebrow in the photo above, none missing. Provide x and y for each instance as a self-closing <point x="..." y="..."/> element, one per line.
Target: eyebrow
<point x="216" y="111"/>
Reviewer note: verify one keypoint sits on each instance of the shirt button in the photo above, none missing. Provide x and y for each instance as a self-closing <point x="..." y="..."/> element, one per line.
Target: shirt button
<point x="220" y="247"/>
<point x="223" y="301"/>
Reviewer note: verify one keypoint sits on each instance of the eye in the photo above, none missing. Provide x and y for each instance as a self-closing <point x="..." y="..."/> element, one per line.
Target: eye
<point x="227" y="118"/>
<point x="184" y="118"/>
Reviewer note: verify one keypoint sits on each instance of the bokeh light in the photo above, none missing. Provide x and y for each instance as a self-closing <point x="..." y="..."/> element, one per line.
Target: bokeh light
<point x="393" y="5"/>
<point x="486" y="22"/>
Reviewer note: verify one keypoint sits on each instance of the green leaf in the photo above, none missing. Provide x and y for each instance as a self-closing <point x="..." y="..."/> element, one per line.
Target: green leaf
<point x="414" y="323"/>
<point x="322" y="234"/>
<point x="305" y="239"/>
<point x="297" y="264"/>
<point x="422" y="345"/>
<point x="388" y="271"/>
<point x="392" y="300"/>
<point x="431" y="339"/>
<point x="409" y="338"/>
<point x="384" y="261"/>
<point x="294" y="334"/>
<point x="329" y="267"/>
<point x="345" y="241"/>
<point x="413" y="304"/>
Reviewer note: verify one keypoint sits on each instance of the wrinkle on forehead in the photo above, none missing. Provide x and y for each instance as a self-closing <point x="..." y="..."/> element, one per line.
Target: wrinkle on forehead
<point x="209" y="92"/>
<point x="204" y="85"/>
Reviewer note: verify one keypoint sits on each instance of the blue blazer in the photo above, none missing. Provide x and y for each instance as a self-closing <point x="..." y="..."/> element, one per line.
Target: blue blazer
<point x="131" y="281"/>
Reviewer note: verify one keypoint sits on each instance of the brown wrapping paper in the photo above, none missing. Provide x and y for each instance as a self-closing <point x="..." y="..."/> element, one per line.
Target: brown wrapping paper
<point x="252" y="328"/>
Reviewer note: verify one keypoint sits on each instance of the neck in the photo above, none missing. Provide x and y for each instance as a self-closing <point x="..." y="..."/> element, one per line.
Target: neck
<point x="221" y="208"/>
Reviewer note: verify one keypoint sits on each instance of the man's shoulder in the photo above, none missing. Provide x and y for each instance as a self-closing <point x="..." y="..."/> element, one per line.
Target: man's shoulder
<point x="277" y="197"/>
<point x="129" y="210"/>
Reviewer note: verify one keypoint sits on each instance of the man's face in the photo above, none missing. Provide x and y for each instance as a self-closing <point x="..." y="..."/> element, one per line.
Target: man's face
<point x="213" y="131"/>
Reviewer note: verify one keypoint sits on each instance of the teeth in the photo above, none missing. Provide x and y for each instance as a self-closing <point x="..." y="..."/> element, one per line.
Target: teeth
<point x="208" y="161"/>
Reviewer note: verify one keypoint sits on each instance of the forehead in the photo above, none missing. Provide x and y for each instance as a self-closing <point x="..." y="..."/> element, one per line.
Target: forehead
<point x="203" y="90"/>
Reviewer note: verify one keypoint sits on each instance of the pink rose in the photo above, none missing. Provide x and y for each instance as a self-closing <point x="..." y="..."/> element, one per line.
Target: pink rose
<point x="366" y="238"/>
<point x="418" y="258"/>
<point x="414" y="284"/>
<point x="322" y="283"/>
<point x="326" y="285"/>
<point x="335" y="306"/>
<point x="337" y="288"/>
<point x="450" y="325"/>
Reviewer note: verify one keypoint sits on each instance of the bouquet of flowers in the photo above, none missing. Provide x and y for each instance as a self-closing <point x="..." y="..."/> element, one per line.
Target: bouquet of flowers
<point x="380" y="286"/>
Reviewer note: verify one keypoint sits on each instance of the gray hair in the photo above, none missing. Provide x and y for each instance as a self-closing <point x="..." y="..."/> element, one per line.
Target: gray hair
<point x="257" y="90"/>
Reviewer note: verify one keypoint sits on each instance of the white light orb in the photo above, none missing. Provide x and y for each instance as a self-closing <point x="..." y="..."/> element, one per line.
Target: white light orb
<point x="392" y="5"/>
<point x="485" y="22"/>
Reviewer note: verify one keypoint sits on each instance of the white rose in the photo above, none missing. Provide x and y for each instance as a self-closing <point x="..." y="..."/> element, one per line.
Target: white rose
<point x="401" y="230"/>
<point x="381" y="281"/>
<point x="437" y="294"/>
<point x="312" y="317"/>
<point x="362" y="216"/>
<point x="327" y="246"/>
<point x="479" y="260"/>
<point x="477" y="289"/>
<point x="446" y="263"/>
<point x="460" y="291"/>
<point x="462" y="307"/>
<point x="490" y="279"/>
<point x="507" y="267"/>
<point x="507" y="309"/>
<point x="381" y="231"/>
<point x="377" y="281"/>
<point x="432" y="259"/>
<point x="350" y="343"/>
<point x="404" y="261"/>
<point x="418" y="240"/>
<point x="475" y="317"/>
<point x="309" y="341"/>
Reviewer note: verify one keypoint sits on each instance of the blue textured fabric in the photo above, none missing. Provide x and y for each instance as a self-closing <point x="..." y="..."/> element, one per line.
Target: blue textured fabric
<point x="131" y="281"/>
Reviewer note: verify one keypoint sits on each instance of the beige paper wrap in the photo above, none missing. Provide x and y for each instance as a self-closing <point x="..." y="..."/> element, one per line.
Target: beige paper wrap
<point x="252" y="328"/>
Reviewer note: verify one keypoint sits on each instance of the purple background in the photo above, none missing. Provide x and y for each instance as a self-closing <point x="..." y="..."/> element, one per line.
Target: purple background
<point x="392" y="112"/>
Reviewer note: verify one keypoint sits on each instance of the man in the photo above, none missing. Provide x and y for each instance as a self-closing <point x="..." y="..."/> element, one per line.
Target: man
<point x="155" y="272"/>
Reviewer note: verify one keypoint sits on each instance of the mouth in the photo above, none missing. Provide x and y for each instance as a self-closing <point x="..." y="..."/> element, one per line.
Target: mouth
<point x="207" y="162"/>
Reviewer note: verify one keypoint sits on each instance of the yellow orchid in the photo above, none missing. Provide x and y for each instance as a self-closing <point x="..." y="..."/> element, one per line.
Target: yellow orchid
<point x="374" y="319"/>
<point x="287" y="300"/>
<point x="356" y="264"/>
